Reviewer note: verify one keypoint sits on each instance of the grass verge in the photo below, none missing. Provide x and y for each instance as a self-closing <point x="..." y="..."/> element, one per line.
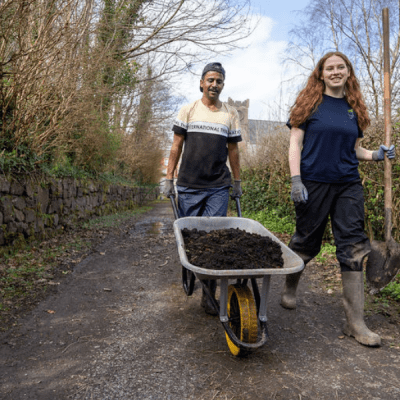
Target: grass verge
<point x="33" y="270"/>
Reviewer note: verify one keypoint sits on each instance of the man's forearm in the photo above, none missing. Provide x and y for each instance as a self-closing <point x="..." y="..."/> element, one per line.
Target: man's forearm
<point x="233" y="154"/>
<point x="174" y="155"/>
<point x="172" y="163"/>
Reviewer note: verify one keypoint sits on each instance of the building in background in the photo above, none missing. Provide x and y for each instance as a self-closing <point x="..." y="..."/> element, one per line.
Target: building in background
<point x="254" y="130"/>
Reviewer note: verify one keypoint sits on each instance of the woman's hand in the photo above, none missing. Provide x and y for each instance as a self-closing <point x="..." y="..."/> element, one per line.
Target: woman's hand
<point x="379" y="155"/>
<point x="299" y="192"/>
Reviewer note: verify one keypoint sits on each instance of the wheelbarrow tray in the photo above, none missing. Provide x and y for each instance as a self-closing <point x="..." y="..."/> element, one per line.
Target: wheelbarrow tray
<point x="291" y="261"/>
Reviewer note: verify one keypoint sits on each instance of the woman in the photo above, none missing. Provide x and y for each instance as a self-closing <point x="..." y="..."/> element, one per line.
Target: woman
<point x="327" y="123"/>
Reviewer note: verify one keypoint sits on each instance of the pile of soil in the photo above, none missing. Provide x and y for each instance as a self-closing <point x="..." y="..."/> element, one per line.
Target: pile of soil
<point x="231" y="249"/>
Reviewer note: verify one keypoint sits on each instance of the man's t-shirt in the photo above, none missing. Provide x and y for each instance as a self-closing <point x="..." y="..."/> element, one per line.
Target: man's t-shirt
<point x="205" y="150"/>
<point x="328" y="153"/>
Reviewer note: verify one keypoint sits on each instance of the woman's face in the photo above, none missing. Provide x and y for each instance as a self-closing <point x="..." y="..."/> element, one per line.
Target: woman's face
<point x="335" y="74"/>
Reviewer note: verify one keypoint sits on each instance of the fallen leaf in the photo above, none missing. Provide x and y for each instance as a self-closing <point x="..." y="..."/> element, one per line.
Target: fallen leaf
<point x="162" y="265"/>
<point x="50" y="311"/>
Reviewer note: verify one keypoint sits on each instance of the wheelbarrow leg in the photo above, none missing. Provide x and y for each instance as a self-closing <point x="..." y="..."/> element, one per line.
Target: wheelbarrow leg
<point x="262" y="314"/>
<point x="188" y="280"/>
<point x="208" y="299"/>
<point x="223" y="301"/>
<point x="256" y="293"/>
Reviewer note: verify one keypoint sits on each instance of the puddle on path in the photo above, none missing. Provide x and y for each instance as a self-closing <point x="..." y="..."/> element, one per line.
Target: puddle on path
<point x="151" y="228"/>
<point x="157" y="228"/>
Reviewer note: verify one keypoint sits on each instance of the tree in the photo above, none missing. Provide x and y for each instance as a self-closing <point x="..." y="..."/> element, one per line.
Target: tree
<point x="74" y="72"/>
<point x="353" y="27"/>
<point x="39" y="67"/>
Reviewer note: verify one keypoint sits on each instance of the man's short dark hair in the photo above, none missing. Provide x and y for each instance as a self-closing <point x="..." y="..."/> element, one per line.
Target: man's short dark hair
<point x="216" y="67"/>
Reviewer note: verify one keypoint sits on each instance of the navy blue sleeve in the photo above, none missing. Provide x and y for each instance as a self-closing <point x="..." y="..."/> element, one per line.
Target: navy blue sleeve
<point x="302" y="126"/>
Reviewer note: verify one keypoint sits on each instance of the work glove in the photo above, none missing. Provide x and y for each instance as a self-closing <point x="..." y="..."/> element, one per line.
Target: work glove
<point x="299" y="192"/>
<point x="237" y="189"/>
<point x="169" y="188"/>
<point x="379" y="155"/>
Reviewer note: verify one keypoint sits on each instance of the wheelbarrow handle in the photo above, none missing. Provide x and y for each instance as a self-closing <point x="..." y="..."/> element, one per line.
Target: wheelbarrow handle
<point x="174" y="207"/>
<point x="238" y="209"/>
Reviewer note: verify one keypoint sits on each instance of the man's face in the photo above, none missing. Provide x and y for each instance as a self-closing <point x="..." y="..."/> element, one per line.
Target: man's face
<point x="212" y="85"/>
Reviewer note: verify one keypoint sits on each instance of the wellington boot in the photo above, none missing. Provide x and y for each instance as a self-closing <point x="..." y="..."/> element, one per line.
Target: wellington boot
<point x="353" y="300"/>
<point x="205" y="300"/>
<point x="288" y="297"/>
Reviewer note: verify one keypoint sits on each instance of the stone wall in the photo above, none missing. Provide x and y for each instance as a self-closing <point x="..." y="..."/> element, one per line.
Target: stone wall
<point x="40" y="210"/>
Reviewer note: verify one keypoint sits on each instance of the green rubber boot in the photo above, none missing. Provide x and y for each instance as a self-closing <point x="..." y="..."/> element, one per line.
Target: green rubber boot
<point x="288" y="297"/>
<point x="353" y="301"/>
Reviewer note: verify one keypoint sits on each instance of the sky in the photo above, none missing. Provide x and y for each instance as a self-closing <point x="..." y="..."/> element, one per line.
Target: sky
<point x="256" y="72"/>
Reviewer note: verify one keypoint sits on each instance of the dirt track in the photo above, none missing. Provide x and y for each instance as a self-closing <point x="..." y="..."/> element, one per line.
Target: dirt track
<point x="121" y="327"/>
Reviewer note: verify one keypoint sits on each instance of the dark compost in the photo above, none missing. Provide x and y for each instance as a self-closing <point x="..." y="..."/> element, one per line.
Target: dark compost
<point x="231" y="249"/>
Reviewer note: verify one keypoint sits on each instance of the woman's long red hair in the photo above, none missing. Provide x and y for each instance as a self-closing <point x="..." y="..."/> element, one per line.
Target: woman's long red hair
<point x="310" y="97"/>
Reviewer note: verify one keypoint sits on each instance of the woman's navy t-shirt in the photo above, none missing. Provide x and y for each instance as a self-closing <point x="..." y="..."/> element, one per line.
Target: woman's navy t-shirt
<point x="328" y="153"/>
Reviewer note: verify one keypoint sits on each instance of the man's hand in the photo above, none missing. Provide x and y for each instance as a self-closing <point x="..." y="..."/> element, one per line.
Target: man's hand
<point x="379" y="155"/>
<point x="237" y="189"/>
<point x="299" y="192"/>
<point x="169" y="188"/>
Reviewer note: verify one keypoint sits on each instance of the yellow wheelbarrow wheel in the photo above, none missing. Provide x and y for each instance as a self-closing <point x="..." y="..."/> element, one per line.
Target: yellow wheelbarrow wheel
<point x="242" y="314"/>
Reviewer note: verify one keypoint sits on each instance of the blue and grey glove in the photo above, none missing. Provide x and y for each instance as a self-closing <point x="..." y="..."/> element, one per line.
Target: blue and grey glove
<point x="169" y="188"/>
<point x="237" y="189"/>
<point x="299" y="192"/>
<point x="379" y="155"/>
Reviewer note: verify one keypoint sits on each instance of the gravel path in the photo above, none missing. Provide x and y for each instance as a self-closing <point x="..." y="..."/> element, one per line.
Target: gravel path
<point x="121" y="327"/>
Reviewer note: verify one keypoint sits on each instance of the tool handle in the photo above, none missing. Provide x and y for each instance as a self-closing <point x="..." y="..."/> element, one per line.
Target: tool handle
<point x="388" y="124"/>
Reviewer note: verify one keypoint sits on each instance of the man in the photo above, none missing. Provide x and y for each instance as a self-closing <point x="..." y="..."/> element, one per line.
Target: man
<point x="210" y="131"/>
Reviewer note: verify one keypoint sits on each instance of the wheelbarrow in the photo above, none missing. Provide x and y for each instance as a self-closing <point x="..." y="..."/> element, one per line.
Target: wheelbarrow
<point x="242" y="308"/>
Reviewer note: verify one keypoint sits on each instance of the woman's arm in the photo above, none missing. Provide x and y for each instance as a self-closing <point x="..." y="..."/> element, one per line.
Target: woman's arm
<point x="361" y="153"/>
<point x="295" y="147"/>
<point x="374" y="155"/>
<point x="299" y="192"/>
